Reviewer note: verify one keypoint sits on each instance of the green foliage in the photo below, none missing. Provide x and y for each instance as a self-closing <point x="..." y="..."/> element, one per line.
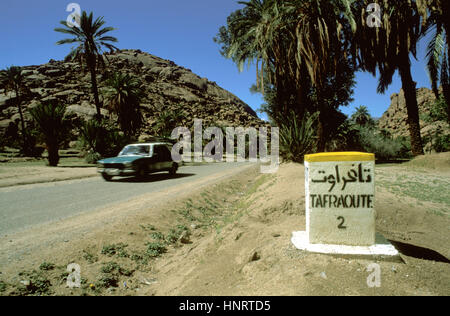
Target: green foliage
<point x="435" y="17"/>
<point x="301" y="54"/>
<point x="384" y="148"/>
<point x="52" y="127"/>
<point x="50" y="121"/>
<point x="155" y="249"/>
<point x="297" y="138"/>
<point x="38" y="284"/>
<point x="46" y="266"/>
<point x="13" y="81"/>
<point x="441" y="143"/>
<point x="157" y="236"/>
<point x="123" y="99"/>
<point x="111" y="273"/>
<point x="90" y="38"/>
<point x="175" y="234"/>
<point x="438" y="111"/>
<point x="115" y="249"/>
<point x="101" y="140"/>
<point x="107" y="280"/>
<point x="345" y="138"/>
<point x="360" y="133"/>
<point x="92" y="157"/>
<point x="89" y="257"/>
<point x="3" y="286"/>
<point x="362" y="117"/>
<point x="167" y="121"/>
<point x="110" y="267"/>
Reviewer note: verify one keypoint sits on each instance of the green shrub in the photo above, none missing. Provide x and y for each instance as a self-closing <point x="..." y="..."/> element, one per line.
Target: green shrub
<point x="52" y="127"/>
<point x="3" y="286"/>
<point x="345" y="138"/>
<point x="167" y="121"/>
<point x="92" y="157"/>
<point x="438" y="112"/>
<point x="38" y="284"/>
<point x="116" y="249"/>
<point x="100" y="140"/>
<point x="107" y="281"/>
<point x="297" y="138"/>
<point x="441" y="143"/>
<point x="155" y="249"/>
<point x="46" y="266"/>
<point x="384" y="148"/>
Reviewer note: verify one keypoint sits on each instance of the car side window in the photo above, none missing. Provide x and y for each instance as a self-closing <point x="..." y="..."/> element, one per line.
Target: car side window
<point x="156" y="151"/>
<point x="165" y="152"/>
<point x="145" y="150"/>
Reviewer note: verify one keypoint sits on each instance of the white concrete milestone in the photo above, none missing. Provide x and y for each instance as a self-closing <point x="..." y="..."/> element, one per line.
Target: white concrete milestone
<point x="340" y="210"/>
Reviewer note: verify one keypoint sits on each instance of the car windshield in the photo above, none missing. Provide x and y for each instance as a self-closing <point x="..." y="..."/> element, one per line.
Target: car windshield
<point x="135" y="151"/>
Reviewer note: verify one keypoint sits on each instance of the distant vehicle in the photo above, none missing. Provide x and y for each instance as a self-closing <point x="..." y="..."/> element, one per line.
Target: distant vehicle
<point x="139" y="160"/>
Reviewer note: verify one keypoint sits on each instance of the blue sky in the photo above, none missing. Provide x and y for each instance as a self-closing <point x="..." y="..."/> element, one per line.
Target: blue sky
<point x="178" y="30"/>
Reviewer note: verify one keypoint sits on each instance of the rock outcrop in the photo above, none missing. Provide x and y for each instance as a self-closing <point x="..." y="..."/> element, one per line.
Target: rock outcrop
<point x="395" y="119"/>
<point x="166" y="85"/>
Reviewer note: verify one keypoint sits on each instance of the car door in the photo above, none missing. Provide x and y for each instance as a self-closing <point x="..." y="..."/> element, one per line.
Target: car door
<point x="146" y="159"/>
<point x="158" y="158"/>
<point x="166" y="157"/>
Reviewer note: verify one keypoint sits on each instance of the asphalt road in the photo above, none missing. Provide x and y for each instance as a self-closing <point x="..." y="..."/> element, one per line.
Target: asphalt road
<point x="26" y="206"/>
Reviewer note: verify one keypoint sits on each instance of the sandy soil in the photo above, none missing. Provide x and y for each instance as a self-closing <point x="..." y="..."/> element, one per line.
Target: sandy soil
<point x="235" y="240"/>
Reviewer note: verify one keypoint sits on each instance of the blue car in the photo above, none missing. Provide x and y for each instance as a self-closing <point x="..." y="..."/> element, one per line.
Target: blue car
<point x="138" y="160"/>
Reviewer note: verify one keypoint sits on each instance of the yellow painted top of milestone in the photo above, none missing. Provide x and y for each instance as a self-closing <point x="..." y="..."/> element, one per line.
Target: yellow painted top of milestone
<point x="340" y="156"/>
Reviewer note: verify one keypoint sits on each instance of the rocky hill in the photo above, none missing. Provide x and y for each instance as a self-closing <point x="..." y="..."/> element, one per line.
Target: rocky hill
<point x="395" y="118"/>
<point x="166" y="85"/>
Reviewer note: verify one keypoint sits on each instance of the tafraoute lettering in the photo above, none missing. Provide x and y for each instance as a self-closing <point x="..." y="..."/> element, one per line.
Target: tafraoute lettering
<point x="342" y="201"/>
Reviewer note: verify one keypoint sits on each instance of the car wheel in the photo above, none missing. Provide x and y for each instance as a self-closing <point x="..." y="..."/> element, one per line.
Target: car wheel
<point x="107" y="177"/>
<point x="173" y="170"/>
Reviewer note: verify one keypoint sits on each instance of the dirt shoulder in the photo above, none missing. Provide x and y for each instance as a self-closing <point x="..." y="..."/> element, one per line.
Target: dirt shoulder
<point x="21" y="171"/>
<point x="228" y="237"/>
<point x="12" y="176"/>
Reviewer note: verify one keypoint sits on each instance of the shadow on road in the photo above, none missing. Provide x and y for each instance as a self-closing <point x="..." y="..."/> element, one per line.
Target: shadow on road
<point x="153" y="178"/>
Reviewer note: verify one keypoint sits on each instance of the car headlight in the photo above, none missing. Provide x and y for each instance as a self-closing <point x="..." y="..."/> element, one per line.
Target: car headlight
<point x="128" y="165"/>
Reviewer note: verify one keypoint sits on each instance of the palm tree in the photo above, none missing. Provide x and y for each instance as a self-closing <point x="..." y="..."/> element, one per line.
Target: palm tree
<point x="293" y="41"/>
<point x="435" y="14"/>
<point x="387" y="49"/>
<point x="256" y="34"/>
<point x="90" y="37"/>
<point x="53" y="127"/>
<point x="124" y="100"/>
<point x="361" y="116"/>
<point x="167" y="121"/>
<point x="318" y="36"/>
<point x="13" y="81"/>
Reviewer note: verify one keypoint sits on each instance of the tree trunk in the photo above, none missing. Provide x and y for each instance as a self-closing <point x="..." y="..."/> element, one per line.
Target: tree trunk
<point x="409" y="88"/>
<point x="320" y="135"/>
<point x="95" y="89"/>
<point x="321" y="142"/>
<point x="25" y="150"/>
<point x="53" y="155"/>
<point x="446" y="85"/>
<point x="445" y="81"/>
